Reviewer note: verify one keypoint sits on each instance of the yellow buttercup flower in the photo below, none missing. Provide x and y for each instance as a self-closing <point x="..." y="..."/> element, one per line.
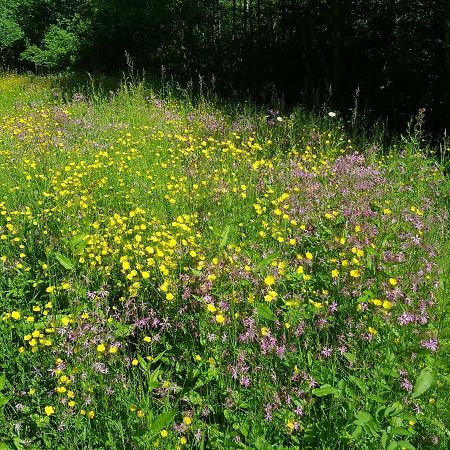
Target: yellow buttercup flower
<point x="49" y="410"/>
<point x="220" y="318"/>
<point x="187" y="420"/>
<point x="101" y="348"/>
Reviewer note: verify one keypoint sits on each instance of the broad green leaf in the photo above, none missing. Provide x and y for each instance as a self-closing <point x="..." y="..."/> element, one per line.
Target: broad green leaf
<point x="142" y="362"/>
<point x="2" y="381"/>
<point x="78" y="241"/>
<point x="376" y="398"/>
<point x="363" y="416"/>
<point x="400" y="431"/>
<point x="157" y="357"/>
<point x="265" y="312"/>
<point x="64" y="261"/>
<point x="406" y="444"/>
<point x="267" y="260"/>
<point x="358" y="382"/>
<point x="326" y="390"/>
<point x="224" y="238"/>
<point x="393" y="410"/>
<point x="260" y="443"/>
<point x="384" y="439"/>
<point x="195" y="398"/>
<point x="122" y="330"/>
<point x="357" y="432"/>
<point x="423" y="383"/>
<point x="153" y="385"/>
<point x="162" y="421"/>
<point x="231" y="444"/>
<point x="351" y="357"/>
<point x="4" y="400"/>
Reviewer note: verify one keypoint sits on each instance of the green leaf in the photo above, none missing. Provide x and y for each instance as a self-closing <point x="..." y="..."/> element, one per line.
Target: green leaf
<point x="260" y="443"/>
<point x="121" y="330"/>
<point x="4" y="400"/>
<point x="78" y="241"/>
<point x="393" y="410"/>
<point x="406" y="444"/>
<point x="195" y="398"/>
<point x="64" y="261"/>
<point x="158" y="357"/>
<point x="162" y="421"/>
<point x="326" y="390"/>
<point x="224" y="239"/>
<point x="363" y="416"/>
<point x="267" y="260"/>
<point x="351" y="357"/>
<point x="423" y="383"/>
<point x="357" y="432"/>
<point x="400" y="431"/>
<point x="265" y="312"/>
<point x="2" y="381"/>
<point x="366" y="421"/>
<point x="358" y="382"/>
<point x="384" y="439"/>
<point x="375" y="398"/>
<point x="231" y="444"/>
<point x="142" y="362"/>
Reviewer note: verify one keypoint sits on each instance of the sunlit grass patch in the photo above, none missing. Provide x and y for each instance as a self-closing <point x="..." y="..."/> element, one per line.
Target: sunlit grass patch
<point x="180" y="276"/>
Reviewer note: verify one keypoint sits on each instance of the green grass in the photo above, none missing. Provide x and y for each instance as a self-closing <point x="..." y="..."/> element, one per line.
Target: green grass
<point x="177" y="272"/>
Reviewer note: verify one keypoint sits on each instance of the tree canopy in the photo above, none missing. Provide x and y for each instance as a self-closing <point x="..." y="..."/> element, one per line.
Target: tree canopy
<point x="393" y="54"/>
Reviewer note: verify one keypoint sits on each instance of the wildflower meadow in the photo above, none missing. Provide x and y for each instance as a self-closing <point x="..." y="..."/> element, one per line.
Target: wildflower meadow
<point x="180" y="274"/>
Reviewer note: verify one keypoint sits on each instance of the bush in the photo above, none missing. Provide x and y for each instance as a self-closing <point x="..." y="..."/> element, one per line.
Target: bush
<point x="59" y="49"/>
<point x="10" y="35"/>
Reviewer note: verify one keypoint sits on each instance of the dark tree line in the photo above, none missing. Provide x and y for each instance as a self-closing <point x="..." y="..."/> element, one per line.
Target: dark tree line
<point x="394" y="53"/>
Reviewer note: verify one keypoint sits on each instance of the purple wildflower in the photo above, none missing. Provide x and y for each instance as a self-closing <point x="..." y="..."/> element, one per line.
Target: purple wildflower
<point x="431" y="344"/>
<point x="406" y="384"/>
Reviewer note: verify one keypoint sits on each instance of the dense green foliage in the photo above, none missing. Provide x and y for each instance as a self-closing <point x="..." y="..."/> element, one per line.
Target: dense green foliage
<point x="393" y="55"/>
<point x="178" y="275"/>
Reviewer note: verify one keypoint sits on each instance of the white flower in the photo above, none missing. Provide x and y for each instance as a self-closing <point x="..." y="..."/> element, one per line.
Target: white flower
<point x="280" y="119"/>
<point x="332" y="114"/>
